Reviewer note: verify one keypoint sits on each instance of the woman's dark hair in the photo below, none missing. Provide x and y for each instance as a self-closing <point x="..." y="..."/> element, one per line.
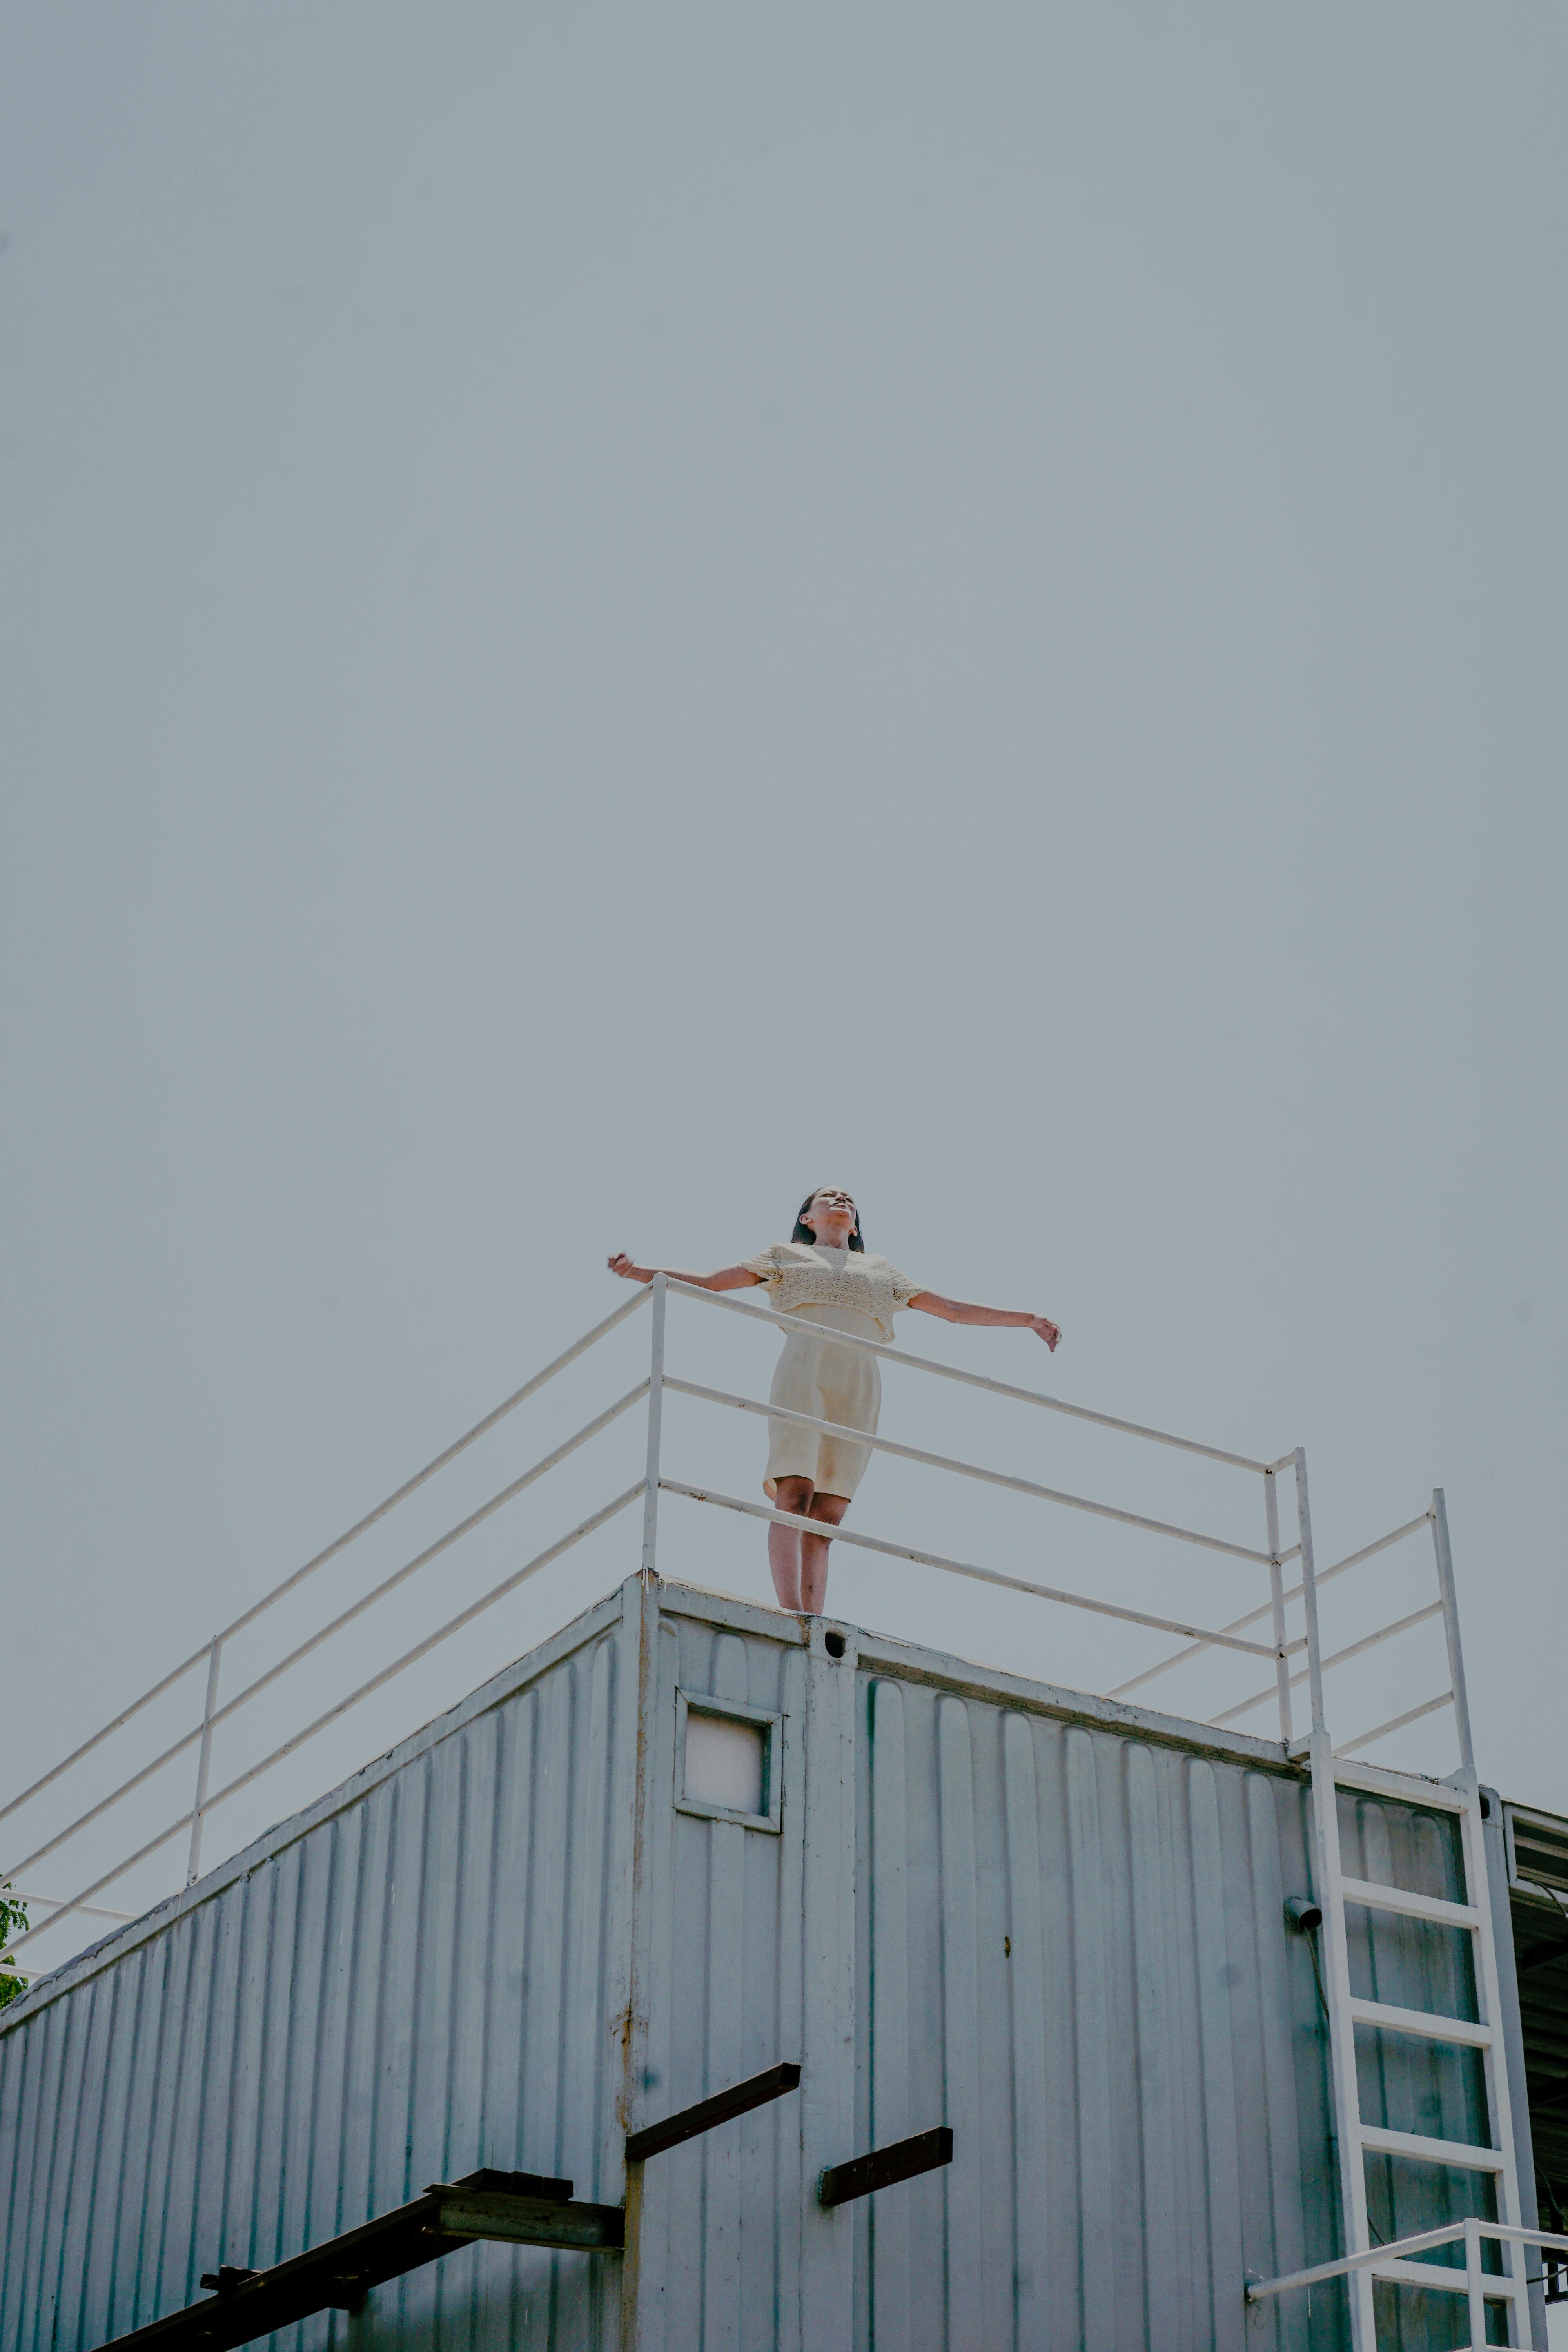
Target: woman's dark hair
<point x="803" y="1232"/>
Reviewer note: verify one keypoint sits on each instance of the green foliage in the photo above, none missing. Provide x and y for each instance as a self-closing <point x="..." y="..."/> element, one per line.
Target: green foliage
<point x="13" y="1916"/>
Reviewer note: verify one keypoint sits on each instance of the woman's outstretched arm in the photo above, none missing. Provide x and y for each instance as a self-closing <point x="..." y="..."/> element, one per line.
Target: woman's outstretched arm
<point x="959" y="1310"/>
<point x="728" y="1277"/>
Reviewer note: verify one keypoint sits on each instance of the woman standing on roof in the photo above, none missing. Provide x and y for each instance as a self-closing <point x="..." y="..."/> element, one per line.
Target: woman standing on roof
<point x="824" y="1274"/>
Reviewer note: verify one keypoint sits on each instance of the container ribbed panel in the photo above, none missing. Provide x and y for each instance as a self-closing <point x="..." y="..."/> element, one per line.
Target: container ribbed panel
<point x="1055" y="1926"/>
<point x="1073" y="1951"/>
<point x="721" y="2221"/>
<point x="411" y="1987"/>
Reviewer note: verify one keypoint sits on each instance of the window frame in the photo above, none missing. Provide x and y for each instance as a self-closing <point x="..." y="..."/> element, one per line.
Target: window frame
<point x="737" y="1711"/>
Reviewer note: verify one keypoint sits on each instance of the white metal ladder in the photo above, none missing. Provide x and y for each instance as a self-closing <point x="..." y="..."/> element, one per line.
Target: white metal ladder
<point x="1357" y="2140"/>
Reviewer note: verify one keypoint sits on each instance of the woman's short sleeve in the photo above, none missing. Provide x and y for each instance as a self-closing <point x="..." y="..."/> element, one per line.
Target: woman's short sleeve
<point x="766" y="1265"/>
<point x="903" y="1288"/>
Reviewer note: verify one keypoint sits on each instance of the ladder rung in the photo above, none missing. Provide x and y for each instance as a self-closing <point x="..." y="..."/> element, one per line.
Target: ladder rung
<point x="1410" y="1787"/>
<point x="1422" y="2020"/>
<point x="1377" y="2140"/>
<point x="1413" y="1906"/>
<point x="1443" y="2275"/>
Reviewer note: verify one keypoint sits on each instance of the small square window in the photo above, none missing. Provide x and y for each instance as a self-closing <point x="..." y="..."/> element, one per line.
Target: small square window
<point x="726" y="1761"/>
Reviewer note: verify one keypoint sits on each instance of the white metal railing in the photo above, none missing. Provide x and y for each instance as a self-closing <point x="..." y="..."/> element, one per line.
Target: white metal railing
<point x="1394" y="2262"/>
<point x="200" y="1736"/>
<point x="1278" y="1644"/>
<point x="1280" y="1648"/>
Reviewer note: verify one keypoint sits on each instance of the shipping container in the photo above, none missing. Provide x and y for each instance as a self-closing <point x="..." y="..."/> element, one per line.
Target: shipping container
<point x="686" y="1840"/>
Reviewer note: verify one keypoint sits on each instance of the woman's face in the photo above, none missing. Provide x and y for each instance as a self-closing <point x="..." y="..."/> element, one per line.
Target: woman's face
<point x="831" y="1215"/>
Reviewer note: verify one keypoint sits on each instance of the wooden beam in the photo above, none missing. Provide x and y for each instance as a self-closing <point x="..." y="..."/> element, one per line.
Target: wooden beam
<point x="707" y="2113"/>
<point x="863" y="2174"/>
<point x="518" y="2208"/>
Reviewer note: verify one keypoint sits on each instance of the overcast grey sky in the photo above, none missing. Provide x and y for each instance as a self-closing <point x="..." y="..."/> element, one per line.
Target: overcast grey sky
<point x="611" y="612"/>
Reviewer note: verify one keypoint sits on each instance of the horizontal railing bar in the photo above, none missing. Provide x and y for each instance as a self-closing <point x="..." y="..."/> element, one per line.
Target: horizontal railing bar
<point x="1397" y="1723"/>
<point x="939" y="1559"/>
<point x="788" y="1323"/>
<point x="1386" y="1634"/>
<point x="965" y="1469"/>
<point x="1504" y="2233"/>
<point x="108" y="1879"/>
<point x="1195" y="1649"/>
<point x="442" y="1543"/>
<point x="1354" y="1560"/>
<point x="498" y="1592"/>
<point x="56" y="1902"/>
<point x="411" y="1657"/>
<point x="450" y="1453"/>
<point x="1451" y="2278"/>
<point x="458" y="1446"/>
<point x="187" y="1740"/>
<point x="124" y="1716"/>
<point x="1379" y="1897"/>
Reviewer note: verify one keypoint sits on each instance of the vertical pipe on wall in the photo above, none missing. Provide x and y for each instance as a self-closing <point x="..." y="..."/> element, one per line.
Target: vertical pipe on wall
<point x="655" y="1428"/>
<point x="203" y="1759"/>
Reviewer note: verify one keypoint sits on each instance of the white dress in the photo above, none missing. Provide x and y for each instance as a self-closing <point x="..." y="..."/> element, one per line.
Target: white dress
<point x="851" y="1290"/>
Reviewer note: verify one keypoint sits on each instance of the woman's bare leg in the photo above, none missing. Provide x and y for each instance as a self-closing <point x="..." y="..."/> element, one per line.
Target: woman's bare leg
<point x="784" y="1543"/>
<point x="814" y="1552"/>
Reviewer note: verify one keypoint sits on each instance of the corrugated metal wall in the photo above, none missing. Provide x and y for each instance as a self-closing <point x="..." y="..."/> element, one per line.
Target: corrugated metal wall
<point x="722" y="2214"/>
<point x="1073" y="1951"/>
<point x="1045" y="1921"/>
<point x="415" y="1984"/>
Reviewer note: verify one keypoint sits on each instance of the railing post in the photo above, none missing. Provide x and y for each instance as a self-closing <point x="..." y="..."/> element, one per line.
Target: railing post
<point x="1309" y="1595"/>
<point x="655" y="1429"/>
<point x="203" y="1759"/>
<point x="1276" y="1595"/>
<point x="1451" y="1628"/>
<point x="1474" y="2276"/>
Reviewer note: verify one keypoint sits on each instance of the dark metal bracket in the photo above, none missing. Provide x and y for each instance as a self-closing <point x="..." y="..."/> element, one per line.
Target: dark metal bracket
<point x="721" y="2109"/>
<point x="517" y="2207"/>
<point x="863" y="2174"/>
<point x="514" y="2208"/>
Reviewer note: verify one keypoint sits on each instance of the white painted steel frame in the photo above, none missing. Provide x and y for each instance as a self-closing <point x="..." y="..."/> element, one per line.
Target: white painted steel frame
<point x="1239" y="1624"/>
<point x="454" y="1624"/>
<point x="972" y="1470"/>
<point x="1335" y="1658"/>
<point x="1393" y="2258"/>
<point x="1356" y="2139"/>
<point x="213" y="1716"/>
<point x="340" y="1543"/>
<point x="954" y="1567"/>
<point x="967" y="1380"/>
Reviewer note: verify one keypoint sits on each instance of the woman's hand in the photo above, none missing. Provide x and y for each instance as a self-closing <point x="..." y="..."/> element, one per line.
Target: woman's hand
<point x="621" y="1264"/>
<point x="960" y="1311"/>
